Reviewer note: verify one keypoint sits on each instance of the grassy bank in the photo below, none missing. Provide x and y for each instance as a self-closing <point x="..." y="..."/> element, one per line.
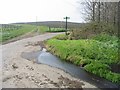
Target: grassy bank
<point x="95" y="54"/>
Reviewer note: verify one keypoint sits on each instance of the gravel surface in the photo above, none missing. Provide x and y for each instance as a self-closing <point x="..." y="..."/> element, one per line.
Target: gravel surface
<point x="18" y="72"/>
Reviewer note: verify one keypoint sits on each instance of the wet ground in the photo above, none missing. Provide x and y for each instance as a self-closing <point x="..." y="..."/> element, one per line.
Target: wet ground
<point x="18" y="72"/>
<point x="43" y="57"/>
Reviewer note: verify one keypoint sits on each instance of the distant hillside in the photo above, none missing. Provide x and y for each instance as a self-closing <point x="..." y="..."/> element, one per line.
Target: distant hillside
<point x="54" y="24"/>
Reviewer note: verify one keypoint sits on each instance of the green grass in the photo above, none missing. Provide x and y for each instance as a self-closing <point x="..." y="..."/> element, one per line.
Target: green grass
<point x="94" y="54"/>
<point x="9" y="34"/>
<point x="61" y="37"/>
<point x="42" y="29"/>
<point x="56" y="30"/>
<point x="15" y="30"/>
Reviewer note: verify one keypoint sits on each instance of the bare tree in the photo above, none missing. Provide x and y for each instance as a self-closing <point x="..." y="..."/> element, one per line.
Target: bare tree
<point x="101" y="11"/>
<point x="105" y="12"/>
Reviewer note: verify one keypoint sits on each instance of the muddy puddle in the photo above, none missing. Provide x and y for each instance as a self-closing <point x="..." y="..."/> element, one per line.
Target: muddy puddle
<point x="30" y="55"/>
<point x="44" y="57"/>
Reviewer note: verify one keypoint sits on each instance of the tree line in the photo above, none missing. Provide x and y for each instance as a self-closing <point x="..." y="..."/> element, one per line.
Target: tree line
<point x="102" y="11"/>
<point x="105" y="12"/>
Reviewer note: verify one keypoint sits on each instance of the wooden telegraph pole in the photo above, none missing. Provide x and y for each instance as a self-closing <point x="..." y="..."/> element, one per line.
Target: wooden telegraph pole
<point x="66" y="24"/>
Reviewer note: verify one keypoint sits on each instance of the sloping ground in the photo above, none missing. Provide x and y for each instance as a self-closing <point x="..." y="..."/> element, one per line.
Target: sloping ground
<point x="21" y="73"/>
<point x="95" y="55"/>
<point x="27" y="35"/>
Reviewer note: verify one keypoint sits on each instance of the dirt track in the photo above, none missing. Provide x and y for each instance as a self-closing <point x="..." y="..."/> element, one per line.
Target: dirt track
<point x="21" y="73"/>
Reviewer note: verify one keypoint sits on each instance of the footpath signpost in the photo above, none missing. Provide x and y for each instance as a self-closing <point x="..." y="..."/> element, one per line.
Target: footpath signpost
<point x="66" y="24"/>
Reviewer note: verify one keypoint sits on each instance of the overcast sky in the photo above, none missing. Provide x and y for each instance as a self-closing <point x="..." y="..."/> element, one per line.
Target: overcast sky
<point x="45" y="10"/>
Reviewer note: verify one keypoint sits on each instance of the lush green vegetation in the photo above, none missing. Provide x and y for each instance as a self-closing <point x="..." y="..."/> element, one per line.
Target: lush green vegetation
<point x="89" y="30"/>
<point x="10" y="31"/>
<point x="95" y="54"/>
<point x="56" y="30"/>
<point x="61" y="37"/>
<point x="42" y="29"/>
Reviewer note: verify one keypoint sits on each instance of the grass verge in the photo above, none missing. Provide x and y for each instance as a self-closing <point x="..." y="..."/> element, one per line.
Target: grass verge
<point x="95" y="55"/>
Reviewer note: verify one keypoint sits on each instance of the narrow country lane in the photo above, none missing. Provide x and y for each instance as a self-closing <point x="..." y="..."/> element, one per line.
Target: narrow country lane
<point x="18" y="72"/>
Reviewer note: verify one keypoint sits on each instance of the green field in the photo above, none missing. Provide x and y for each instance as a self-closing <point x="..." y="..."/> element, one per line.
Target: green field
<point x="42" y="29"/>
<point x="11" y="31"/>
<point x="56" y="30"/>
<point x="95" y="54"/>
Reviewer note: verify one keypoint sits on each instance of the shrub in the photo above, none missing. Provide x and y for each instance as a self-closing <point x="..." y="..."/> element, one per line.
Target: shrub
<point x="92" y="29"/>
<point x="61" y="37"/>
<point x="56" y="30"/>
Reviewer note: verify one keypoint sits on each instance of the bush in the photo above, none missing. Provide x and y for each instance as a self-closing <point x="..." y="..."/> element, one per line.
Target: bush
<point x="56" y="30"/>
<point x="92" y="29"/>
<point x="61" y="37"/>
<point x="101" y="27"/>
